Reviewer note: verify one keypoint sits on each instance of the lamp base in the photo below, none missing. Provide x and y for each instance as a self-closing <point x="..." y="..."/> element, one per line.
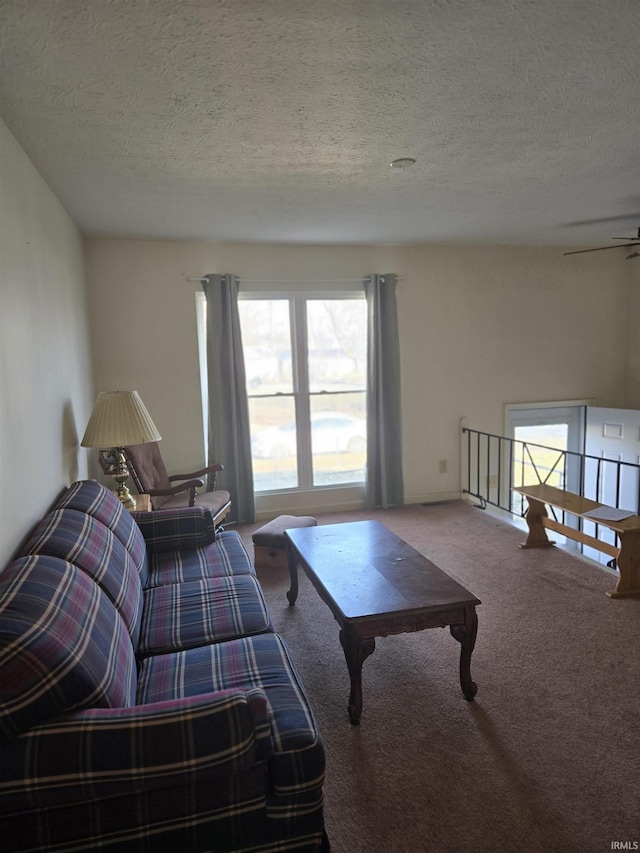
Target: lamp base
<point x="124" y="495"/>
<point x="121" y="475"/>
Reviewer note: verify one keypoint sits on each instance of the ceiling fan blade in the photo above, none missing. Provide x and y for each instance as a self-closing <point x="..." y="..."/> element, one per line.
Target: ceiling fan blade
<point x="625" y="217"/>
<point x="601" y="249"/>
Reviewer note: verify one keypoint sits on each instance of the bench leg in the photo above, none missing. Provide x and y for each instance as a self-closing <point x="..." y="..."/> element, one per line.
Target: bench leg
<point x="537" y="537"/>
<point x="628" y="561"/>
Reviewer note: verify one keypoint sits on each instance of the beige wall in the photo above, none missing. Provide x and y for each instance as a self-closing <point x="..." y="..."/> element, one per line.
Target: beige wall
<point x="480" y="327"/>
<point x="45" y="379"/>
<point x="633" y="338"/>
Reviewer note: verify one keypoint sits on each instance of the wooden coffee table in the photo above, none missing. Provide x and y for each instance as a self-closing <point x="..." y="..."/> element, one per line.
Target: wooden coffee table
<point x="375" y="584"/>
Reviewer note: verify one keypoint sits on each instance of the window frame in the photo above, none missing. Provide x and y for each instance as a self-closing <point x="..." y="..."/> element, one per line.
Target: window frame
<point x="299" y="294"/>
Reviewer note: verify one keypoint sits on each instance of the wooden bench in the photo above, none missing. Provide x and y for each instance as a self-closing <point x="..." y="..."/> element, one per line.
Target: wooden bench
<point x="627" y="556"/>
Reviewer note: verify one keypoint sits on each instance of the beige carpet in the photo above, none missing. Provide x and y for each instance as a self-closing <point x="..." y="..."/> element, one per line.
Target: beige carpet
<point x="546" y="759"/>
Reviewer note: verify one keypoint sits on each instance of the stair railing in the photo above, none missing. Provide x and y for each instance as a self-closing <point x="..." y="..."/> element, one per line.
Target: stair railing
<point x="491" y="464"/>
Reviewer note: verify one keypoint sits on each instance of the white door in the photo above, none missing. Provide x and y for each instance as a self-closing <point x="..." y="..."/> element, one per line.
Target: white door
<point x="611" y="435"/>
<point x="542" y="433"/>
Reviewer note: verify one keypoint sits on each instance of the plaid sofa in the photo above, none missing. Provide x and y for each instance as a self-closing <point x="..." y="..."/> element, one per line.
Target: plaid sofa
<point x="146" y="703"/>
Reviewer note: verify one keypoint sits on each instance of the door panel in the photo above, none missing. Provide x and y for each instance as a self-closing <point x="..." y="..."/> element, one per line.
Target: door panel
<point x="611" y="435"/>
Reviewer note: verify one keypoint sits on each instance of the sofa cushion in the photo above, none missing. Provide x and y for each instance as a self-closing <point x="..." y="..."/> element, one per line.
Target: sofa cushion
<point x="297" y="762"/>
<point x="96" y="500"/>
<point x="193" y="613"/>
<point x="84" y="541"/>
<point x="225" y="557"/>
<point x="63" y="645"/>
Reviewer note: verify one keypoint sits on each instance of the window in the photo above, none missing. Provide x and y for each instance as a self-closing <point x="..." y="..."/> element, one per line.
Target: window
<point x="305" y="362"/>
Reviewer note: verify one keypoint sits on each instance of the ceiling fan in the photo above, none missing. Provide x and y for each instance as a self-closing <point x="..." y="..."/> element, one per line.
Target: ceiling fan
<point x="631" y="241"/>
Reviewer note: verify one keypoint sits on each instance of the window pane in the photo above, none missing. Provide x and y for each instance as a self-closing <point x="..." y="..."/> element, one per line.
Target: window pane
<point x="539" y="463"/>
<point x="535" y="464"/>
<point x="338" y="438"/>
<point x="266" y="342"/>
<point x="337" y="344"/>
<point x="273" y="443"/>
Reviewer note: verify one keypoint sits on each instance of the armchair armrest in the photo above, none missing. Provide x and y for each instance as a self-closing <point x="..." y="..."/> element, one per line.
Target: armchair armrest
<point x="105" y="752"/>
<point x="210" y="469"/>
<point x="176" y="490"/>
<point x="211" y="473"/>
<point x="180" y="529"/>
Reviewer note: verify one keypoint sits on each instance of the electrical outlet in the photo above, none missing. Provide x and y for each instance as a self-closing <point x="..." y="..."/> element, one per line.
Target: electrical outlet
<point x="492" y="482"/>
<point x="443" y="466"/>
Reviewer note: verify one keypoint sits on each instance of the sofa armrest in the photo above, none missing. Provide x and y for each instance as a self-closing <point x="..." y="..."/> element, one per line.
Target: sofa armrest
<point x="106" y="752"/>
<point x="180" y="529"/>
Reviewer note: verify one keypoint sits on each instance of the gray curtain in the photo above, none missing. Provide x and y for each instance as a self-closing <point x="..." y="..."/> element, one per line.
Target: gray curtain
<point x="229" y="434"/>
<point x="384" y="412"/>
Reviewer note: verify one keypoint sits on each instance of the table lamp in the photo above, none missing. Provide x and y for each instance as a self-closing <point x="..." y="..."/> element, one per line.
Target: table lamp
<point x="119" y="418"/>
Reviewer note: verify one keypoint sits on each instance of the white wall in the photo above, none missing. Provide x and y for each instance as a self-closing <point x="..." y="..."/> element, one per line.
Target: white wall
<point x="480" y="327"/>
<point x="45" y="380"/>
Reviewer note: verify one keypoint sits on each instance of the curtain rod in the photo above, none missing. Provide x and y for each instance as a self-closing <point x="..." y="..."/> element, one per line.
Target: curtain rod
<point x="299" y="280"/>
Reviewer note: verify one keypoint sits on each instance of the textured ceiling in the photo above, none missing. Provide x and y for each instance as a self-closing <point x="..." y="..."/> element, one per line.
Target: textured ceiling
<point x="276" y="120"/>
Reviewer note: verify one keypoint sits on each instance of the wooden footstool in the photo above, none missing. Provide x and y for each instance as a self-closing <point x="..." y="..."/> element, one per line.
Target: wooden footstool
<point x="269" y="544"/>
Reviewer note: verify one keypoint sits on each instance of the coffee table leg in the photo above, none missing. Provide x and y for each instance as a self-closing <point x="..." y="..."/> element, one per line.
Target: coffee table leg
<point x="292" y="559"/>
<point x="356" y="651"/>
<point x="466" y="636"/>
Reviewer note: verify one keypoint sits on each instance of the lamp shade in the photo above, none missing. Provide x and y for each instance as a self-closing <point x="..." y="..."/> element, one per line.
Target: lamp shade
<point x="119" y="418"/>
